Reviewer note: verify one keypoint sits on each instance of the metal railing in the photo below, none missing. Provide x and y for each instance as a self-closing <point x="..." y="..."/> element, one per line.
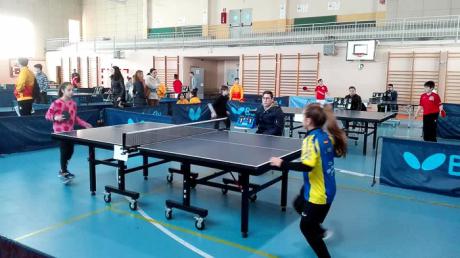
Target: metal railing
<point x="424" y="28"/>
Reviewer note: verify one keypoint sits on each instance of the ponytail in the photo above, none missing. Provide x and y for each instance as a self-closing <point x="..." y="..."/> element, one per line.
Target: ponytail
<point x="340" y="139"/>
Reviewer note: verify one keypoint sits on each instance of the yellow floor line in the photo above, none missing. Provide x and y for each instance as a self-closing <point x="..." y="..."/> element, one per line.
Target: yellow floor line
<point x="62" y="223"/>
<point x="77" y="218"/>
<point x="194" y="233"/>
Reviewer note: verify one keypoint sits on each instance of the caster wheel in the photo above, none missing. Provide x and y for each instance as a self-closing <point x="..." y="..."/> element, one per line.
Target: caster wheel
<point x="133" y="205"/>
<point x="193" y="184"/>
<point x="93" y="193"/>
<point x="224" y="191"/>
<point x="146" y="178"/>
<point x="199" y="223"/>
<point x="107" y="197"/>
<point x="356" y="143"/>
<point x="169" y="178"/>
<point x="253" y="197"/>
<point x="168" y="213"/>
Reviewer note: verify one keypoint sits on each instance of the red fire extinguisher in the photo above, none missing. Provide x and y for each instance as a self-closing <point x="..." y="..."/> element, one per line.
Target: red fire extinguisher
<point x="223" y="16"/>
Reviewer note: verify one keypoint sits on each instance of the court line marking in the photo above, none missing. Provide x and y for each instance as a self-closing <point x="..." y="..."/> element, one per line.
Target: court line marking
<point x="76" y="218"/>
<point x="172" y="235"/>
<point x="194" y="233"/>
<point x="62" y="224"/>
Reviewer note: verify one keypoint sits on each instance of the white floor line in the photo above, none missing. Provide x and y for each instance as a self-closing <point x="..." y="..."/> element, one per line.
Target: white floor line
<point x="172" y="235"/>
<point x="354" y="173"/>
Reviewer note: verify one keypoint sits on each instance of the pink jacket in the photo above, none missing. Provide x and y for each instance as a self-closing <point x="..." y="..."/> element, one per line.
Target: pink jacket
<point x="57" y="108"/>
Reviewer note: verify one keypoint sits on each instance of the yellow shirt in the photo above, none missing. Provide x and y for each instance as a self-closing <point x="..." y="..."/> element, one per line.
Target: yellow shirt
<point x="236" y="92"/>
<point x="183" y="101"/>
<point x="161" y="90"/>
<point x="24" y="85"/>
<point x="195" y="100"/>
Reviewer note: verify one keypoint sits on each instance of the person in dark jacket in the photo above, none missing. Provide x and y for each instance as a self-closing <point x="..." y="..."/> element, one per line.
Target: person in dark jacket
<point x="139" y="89"/>
<point x="269" y="117"/>
<point x="389" y="95"/>
<point x="118" y="87"/>
<point x="220" y="108"/>
<point x="354" y="100"/>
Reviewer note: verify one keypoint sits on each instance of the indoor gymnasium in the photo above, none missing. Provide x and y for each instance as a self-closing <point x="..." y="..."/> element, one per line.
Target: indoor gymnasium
<point x="230" y="128"/>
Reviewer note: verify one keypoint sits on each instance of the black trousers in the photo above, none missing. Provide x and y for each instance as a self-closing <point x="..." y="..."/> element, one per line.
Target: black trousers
<point x="310" y="225"/>
<point x="226" y="122"/>
<point x="25" y="107"/>
<point x="43" y="98"/>
<point x="66" y="154"/>
<point x="429" y="127"/>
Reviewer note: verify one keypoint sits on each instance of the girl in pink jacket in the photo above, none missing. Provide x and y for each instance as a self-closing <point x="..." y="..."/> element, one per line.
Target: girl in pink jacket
<point x="63" y="114"/>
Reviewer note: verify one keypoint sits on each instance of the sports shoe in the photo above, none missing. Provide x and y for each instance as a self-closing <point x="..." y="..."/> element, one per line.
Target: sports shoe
<point x="327" y="234"/>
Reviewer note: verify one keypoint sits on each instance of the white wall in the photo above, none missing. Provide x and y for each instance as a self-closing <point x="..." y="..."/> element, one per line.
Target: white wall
<point x="312" y="8"/>
<point x="166" y="13"/>
<point x="49" y="18"/>
<point x="107" y="18"/>
<point x="421" y="8"/>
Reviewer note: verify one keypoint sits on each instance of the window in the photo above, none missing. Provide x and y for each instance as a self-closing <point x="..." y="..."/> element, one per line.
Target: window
<point x="74" y="30"/>
<point x="20" y="41"/>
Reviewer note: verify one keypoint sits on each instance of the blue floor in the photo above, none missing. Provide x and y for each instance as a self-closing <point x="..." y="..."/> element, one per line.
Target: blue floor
<point x="65" y="221"/>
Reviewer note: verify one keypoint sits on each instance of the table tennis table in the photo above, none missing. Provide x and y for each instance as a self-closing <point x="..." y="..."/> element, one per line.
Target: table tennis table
<point x="81" y="96"/>
<point x="189" y="144"/>
<point x="369" y="122"/>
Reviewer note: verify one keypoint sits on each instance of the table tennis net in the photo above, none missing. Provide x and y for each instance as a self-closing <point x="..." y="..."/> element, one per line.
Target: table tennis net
<point x="173" y="132"/>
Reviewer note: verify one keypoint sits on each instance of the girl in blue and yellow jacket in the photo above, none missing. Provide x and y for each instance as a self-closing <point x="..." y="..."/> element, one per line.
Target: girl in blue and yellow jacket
<point x="317" y="164"/>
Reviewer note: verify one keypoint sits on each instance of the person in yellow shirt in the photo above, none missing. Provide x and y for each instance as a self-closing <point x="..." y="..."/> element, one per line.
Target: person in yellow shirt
<point x="194" y="99"/>
<point x="182" y="100"/>
<point x="236" y="92"/>
<point x="24" y="89"/>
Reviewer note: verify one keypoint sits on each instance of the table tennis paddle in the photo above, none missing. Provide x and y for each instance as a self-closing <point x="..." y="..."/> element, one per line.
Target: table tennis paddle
<point x="66" y="115"/>
<point x="305" y="88"/>
<point x="443" y="113"/>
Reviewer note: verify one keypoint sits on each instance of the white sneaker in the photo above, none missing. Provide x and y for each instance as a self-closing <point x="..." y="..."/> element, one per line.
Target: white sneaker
<point x="328" y="234"/>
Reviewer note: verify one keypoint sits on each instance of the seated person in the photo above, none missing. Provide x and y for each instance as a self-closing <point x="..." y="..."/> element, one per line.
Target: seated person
<point x="389" y="95"/>
<point x="269" y="117"/>
<point x="194" y="99"/>
<point x="354" y="100"/>
<point x="182" y="100"/>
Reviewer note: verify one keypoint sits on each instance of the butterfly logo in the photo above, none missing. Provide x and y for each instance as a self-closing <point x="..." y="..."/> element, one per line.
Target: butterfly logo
<point x="238" y="111"/>
<point x="431" y="163"/>
<point x="131" y="121"/>
<point x="193" y="114"/>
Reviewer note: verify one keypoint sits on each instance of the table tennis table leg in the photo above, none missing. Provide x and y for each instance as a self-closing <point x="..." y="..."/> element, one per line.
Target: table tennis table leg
<point x="92" y="170"/>
<point x="366" y="132"/>
<point x="185" y="204"/>
<point x="186" y="187"/>
<point x="244" y="181"/>
<point x="291" y="126"/>
<point x="284" y="188"/>
<point x="145" y="169"/>
<point x="374" y="140"/>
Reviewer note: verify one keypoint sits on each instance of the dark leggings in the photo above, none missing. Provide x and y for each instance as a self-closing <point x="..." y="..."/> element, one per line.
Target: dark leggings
<point x="429" y="127"/>
<point x="226" y="122"/>
<point x="66" y="154"/>
<point x="25" y="107"/>
<point x="310" y="225"/>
